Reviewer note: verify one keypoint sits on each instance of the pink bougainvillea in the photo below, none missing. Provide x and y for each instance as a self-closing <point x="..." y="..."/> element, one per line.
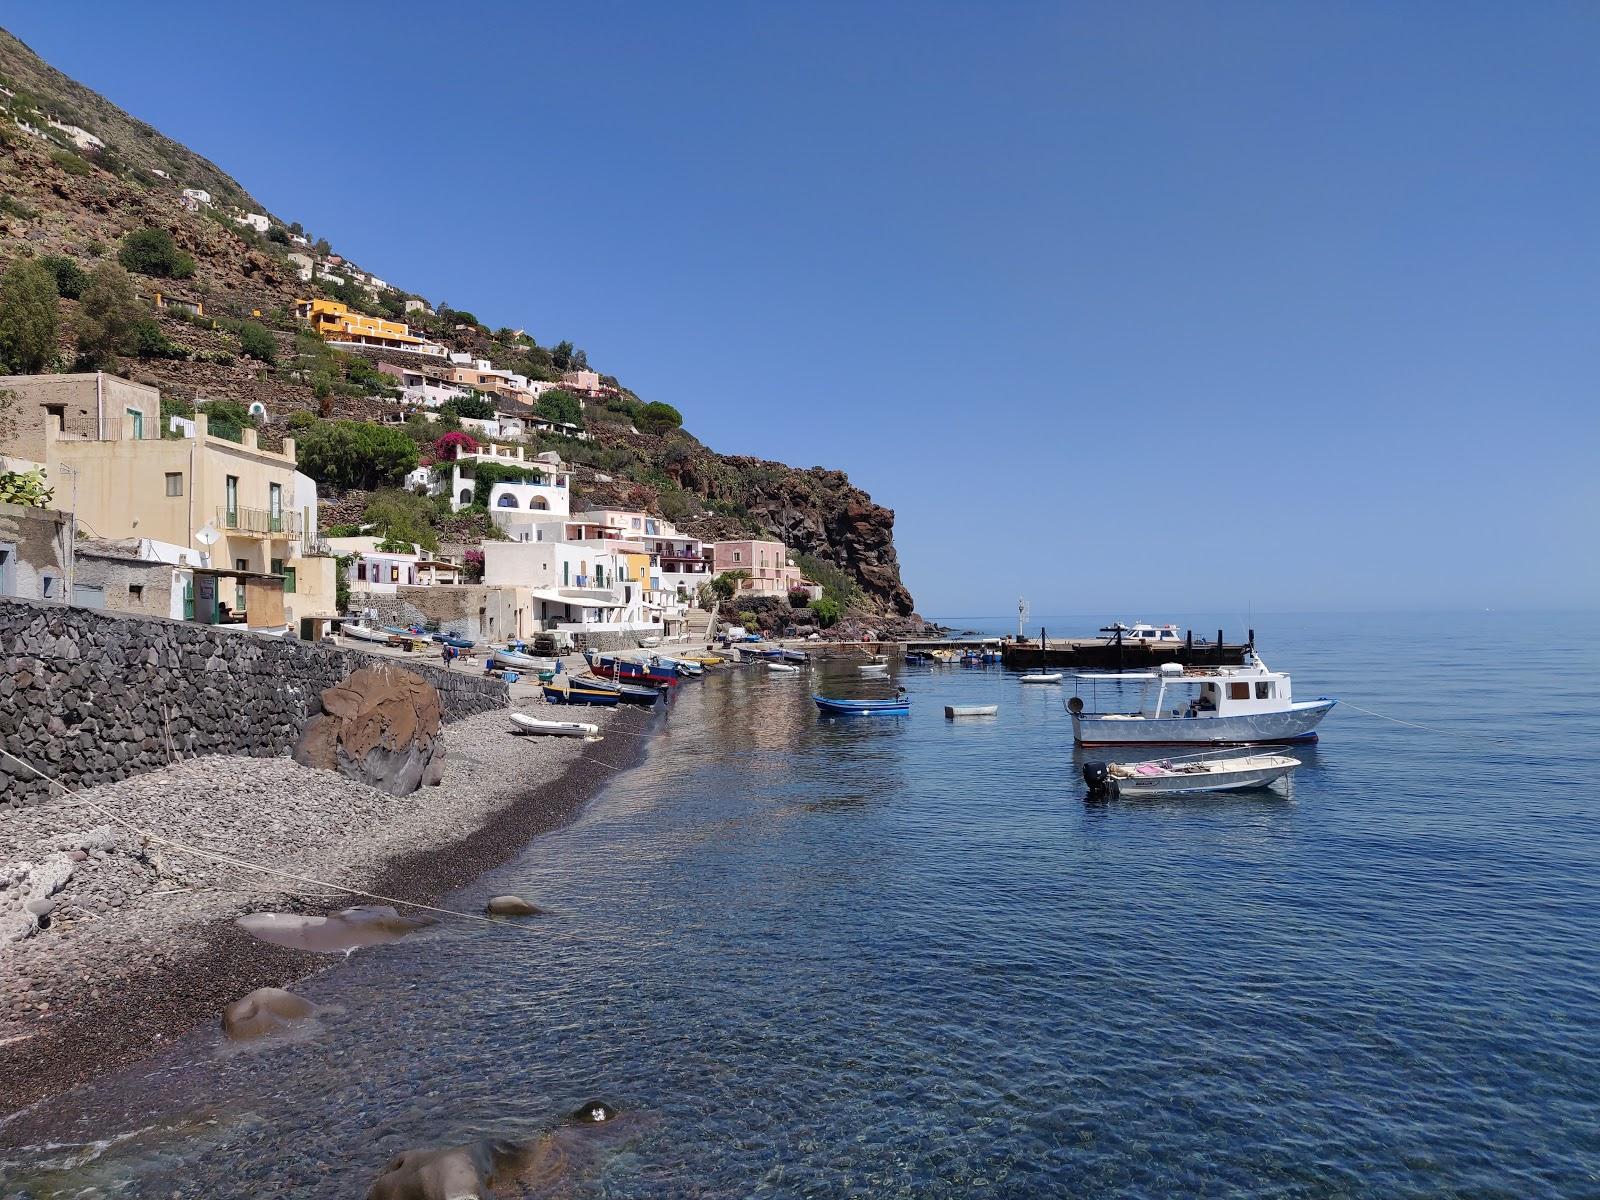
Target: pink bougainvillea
<point x="447" y="447"/>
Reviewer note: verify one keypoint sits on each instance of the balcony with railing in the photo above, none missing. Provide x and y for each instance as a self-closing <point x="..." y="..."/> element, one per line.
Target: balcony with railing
<point x="258" y="522"/>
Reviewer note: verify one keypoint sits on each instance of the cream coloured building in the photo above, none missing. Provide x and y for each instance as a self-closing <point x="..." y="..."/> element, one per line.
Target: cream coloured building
<point x="233" y="505"/>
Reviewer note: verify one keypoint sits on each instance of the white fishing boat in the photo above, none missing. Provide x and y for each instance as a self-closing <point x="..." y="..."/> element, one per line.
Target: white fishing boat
<point x="783" y="668"/>
<point x="1241" y="704"/>
<point x="1042" y="677"/>
<point x="1140" y="632"/>
<point x="365" y="633"/>
<point x="971" y="710"/>
<point x="873" y="668"/>
<point x="523" y="723"/>
<point x="522" y="662"/>
<point x="1187" y="776"/>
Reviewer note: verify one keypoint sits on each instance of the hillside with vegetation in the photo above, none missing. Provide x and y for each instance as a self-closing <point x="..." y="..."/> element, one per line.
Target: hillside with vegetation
<point x="107" y="265"/>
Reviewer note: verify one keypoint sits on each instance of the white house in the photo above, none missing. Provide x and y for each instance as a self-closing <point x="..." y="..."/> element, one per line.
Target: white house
<point x="417" y="387"/>
<point x="256" y="221"/>
<point x="576" y="589"/>
<point x="553" y="474"/>
<point x="198" y="195"/>
<point x="303" y="265"/>
<point x="418" y="306"/>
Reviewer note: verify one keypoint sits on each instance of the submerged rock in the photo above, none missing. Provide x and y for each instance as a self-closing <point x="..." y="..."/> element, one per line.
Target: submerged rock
<point x="337" y="933"/>
<point x="450" y="1173"/>
<point x="511" y="906"/>
<point x="593" y="1112"/>
<point x="264" y="1011"/>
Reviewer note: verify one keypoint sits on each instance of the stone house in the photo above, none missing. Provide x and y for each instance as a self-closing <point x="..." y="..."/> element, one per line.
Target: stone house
<point x="35" y="545"/>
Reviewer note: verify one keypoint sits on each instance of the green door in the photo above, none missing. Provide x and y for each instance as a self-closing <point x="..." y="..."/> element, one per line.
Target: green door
<point x="138" y="422"/>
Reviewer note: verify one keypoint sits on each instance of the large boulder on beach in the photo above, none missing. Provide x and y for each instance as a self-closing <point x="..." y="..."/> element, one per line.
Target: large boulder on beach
<point x="380" y="725"/>
<point x="450" y="1173"/>
<point x="264" y="1011"/>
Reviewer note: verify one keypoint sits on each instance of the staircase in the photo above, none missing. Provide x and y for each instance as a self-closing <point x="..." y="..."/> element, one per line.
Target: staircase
<point x="698" y="624"/>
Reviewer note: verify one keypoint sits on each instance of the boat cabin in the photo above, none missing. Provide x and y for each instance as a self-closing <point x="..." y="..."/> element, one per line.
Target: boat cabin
<point x="1177" y="691"/>
<point x="1140" y="632"/>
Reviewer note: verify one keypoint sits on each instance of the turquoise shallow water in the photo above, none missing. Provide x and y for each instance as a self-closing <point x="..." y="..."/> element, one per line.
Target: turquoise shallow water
<point x="902" y="957"/>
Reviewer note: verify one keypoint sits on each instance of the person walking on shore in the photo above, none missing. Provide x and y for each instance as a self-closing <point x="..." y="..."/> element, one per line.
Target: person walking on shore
<point x="447" y="652"/>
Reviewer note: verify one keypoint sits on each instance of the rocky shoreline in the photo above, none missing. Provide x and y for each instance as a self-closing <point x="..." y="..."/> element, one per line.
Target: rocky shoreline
<point x="136" y="942"/>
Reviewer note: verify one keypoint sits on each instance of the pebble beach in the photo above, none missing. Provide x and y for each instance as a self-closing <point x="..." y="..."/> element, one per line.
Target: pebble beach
<point x="112" y="942"/>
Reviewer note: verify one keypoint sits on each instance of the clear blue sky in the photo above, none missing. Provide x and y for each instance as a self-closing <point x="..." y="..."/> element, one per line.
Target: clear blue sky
<point x="1129" y="308"/>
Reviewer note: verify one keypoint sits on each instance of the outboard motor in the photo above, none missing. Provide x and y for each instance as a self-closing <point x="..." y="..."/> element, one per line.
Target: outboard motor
<point x="1098" y="777"/>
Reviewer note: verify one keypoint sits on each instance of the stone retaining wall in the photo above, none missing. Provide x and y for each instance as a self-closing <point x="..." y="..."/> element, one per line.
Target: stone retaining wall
<point x="90" y="697"/>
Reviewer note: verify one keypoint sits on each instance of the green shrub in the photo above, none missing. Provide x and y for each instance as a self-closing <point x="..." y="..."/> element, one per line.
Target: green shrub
<point x="13" y="207"/>
<point x="70" y="278"/>
<point x="749" y="621"/>
<point x="343" y="530"/>
<point x="152" y="251"/>
<point x="28" y="317"/>
<point x="402" y="517"/>
<point x="473" y="406"/>
<point x="557" y="405"/>
<point x="227" y="419"/>
<point x="826" y="611"/>
<point x="658" y="418"/>
<point x="148" y="341"/>
<point x="837" y="585"/>
<point x="69" y="162"/>
<point x="107" y="315"/>
<point x="255" y="342"/>
<point x="341" y="455"/>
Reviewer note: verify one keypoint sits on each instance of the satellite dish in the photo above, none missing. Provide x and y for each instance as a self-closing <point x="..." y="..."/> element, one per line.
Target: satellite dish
<point x="206" y="535"/>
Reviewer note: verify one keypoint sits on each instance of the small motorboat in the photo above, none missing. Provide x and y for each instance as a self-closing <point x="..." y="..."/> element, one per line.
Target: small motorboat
<point x="522" y="723"/>
<point x="971" y="710"/>
<point x="898" y="705"/>
<point x="564" y="689"/>
<point x="783" y="668"/>
<point x="1042" y="677"/>
<point x="918" y="656"/>
<point x="650" y="641"/>
<point x="873" y="668"/>
<point x="945" y="656"/>
<point x="450" y="639"/>
<point x="641" y="670"/>
<point x="1183" y="776"/>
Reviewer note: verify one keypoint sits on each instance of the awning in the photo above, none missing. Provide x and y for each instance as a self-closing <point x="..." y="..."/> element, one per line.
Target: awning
<point x="578" y="598"/>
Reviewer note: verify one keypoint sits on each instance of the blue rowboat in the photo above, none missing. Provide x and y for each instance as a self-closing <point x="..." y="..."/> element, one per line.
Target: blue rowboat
<point x="897" y="706"/>
<point x="576" y="693"/>
<point x="450" y="639"/>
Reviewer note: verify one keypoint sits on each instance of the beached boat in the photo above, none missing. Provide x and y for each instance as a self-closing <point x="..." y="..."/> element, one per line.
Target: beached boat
<point x="521" y="662"/>
<point x="1186" y="776"/>
<point x="450" y="639"/>
<point x="783" y="668"/>
<point x="971" y="710"/>
<point x="563" y="689"/>
<point x="1041" y="677"/>
<point x="643" y="669"/>
<point x="365" y="633"/>
<point x="1238" y="704"/>
<point x="898" y="705"/>
<point x="685" y="667"/>
<point x="523" y="723"/>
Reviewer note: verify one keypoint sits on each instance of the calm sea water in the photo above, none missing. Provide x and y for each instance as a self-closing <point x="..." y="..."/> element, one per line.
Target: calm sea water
<point x="901" y="957"/>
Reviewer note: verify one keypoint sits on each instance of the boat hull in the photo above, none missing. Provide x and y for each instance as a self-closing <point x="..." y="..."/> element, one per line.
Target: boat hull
<point x="521" y="723"/>
<point x="1298" y="723"/>
<point x="861" y="707"/>
<point x="577" y="695"/>
<point x="1244" y="780"/>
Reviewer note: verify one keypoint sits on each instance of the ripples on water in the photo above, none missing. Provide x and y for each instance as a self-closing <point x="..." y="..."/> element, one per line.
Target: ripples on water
<point x="901" y="957"/>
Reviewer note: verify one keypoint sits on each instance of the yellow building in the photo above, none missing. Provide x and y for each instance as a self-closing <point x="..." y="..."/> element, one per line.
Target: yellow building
<point x="233" y="506"/>
<point x="336" y="322"/>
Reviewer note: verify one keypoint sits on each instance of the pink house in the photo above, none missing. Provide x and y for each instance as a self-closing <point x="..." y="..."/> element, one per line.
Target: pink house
<point x="771" y="573"/>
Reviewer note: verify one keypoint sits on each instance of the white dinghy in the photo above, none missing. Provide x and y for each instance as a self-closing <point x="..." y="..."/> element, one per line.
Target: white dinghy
<point x="522" y="723"/>
<point x="1043" y="677"/>
<point x="1186" y="776"/>
<point x="783" y="668"/>
<point x="971" y="710"/>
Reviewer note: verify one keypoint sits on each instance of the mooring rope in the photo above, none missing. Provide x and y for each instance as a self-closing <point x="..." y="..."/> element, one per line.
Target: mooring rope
<point x="78" y="797"/>
<point x="1455" y="733"/>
